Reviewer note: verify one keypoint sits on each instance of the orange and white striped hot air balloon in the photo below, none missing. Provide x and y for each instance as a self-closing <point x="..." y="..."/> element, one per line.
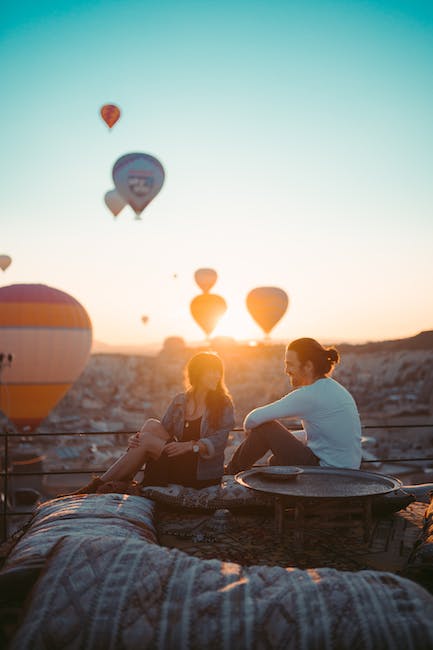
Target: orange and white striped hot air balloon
<point x="49" y="334"/>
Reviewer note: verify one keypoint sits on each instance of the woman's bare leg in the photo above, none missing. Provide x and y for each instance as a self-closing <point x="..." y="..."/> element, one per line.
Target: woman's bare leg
<point x="132" y="460"/>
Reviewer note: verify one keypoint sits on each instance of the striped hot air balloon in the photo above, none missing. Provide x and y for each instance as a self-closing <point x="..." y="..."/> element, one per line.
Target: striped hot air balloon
<point x="49" y="335"/>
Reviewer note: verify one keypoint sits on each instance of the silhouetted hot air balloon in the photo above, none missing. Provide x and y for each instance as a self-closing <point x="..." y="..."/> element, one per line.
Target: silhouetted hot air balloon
<point x="138" y="178"/>
<point x="267" y="305"/>
<point x="114" y="202"/>
<point x="145" y="319"/>
<point x="205" y="279"/>
<point x="207" y="309"/>
<point x="49" y="334"/>
<point x="5" y="261"/>
<point x="110" y="113"/>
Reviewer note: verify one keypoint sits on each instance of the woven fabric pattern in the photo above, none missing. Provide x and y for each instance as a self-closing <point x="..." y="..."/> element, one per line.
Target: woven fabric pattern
<point x="78" y="517"/>
<point x="228" y="494"/>
<point x="101" y="594"/>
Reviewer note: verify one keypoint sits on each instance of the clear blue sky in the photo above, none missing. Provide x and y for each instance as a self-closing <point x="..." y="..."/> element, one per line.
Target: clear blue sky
<point x="297" y="140"/>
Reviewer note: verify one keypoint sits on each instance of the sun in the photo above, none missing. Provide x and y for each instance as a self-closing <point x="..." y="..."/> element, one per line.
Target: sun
<point x="238" y="325"/>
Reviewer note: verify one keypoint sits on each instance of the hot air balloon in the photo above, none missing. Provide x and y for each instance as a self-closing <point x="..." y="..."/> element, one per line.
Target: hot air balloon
<point x="205" y="279"/>
<point x="207" y="309"/>
<point x="110" y="113"/>
<point x="114" y="202"/>
<point x="138" y="178"/>
<point x="267" y="305"/>
<point x="49" y="335"/>
<point x="145" y="319"/>
<point x="5" y="261"/>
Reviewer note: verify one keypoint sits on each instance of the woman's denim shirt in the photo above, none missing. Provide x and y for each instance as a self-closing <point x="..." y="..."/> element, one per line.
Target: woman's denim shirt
<point x="211" y="462"/>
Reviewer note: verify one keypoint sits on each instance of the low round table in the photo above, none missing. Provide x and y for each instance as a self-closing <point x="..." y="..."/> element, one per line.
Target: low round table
<point x="332" y="494"/>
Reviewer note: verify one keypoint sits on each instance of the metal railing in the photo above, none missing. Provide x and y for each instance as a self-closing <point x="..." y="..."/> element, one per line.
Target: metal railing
<point x="6" y="473"/>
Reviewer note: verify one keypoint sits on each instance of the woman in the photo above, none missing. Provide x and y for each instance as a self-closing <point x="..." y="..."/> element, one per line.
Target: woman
<point x="187" y="445"/>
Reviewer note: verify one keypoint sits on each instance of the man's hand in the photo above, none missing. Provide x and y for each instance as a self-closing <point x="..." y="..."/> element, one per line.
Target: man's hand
<point x="177" y="448"/>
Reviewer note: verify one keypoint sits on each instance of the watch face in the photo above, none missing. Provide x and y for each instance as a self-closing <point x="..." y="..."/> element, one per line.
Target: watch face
<point x="195" y="449"/>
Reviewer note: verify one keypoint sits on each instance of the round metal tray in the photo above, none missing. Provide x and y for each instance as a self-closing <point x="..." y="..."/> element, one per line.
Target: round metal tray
<point x="322" y="482"/>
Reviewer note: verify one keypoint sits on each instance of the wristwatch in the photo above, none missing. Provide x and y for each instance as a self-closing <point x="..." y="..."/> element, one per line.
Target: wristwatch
<point x="195" y="448"/>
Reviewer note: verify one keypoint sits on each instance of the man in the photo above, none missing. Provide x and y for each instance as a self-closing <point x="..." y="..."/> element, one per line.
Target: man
<point x="327" y="410"/>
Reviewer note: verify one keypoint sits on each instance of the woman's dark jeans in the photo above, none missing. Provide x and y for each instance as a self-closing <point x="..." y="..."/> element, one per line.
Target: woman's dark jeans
<point x="286" y="449"/>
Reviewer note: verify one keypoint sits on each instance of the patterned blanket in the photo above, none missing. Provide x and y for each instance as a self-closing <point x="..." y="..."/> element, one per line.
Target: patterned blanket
<point x="100" y="593"/>
<point x="95" y="579"/>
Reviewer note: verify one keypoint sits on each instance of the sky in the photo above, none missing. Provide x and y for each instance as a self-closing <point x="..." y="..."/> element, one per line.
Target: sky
<point x="297" y="142"/>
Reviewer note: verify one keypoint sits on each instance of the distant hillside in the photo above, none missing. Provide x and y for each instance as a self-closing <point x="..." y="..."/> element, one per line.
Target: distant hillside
<point x="421" y="341"/>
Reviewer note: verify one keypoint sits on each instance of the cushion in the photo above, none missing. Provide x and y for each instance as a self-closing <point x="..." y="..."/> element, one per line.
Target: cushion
<point x="99" y="592"/>
<point x="228" y="494"/>
<point x="420" y="562"/>
<point x="77" y="517"/>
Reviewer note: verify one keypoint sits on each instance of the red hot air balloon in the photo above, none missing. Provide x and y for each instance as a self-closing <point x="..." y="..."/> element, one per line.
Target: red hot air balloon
<point x="207" y="309"/>
<point x="267" y="305"/>
<point x="138" y="177"/>
<point x="49" y="334"/>
<point x="205" y="279"/>
<point x="110" y="113"/>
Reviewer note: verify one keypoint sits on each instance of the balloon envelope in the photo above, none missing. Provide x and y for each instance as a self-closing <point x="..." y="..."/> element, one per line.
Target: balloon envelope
<point x="110" y="113"/>
<point x="5" y="261"/>
<point x="114" y="202"/>
<point x="267" y="305"/>
<point x="138" y="178"/>
<point x="49" y="334"/>
<point x="207" y="309"/>
<point x="205" y="279"/>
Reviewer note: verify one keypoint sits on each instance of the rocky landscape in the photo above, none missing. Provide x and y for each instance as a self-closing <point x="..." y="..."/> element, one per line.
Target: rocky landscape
<point x="116" y="392"/>
<point x="391" y="381"/>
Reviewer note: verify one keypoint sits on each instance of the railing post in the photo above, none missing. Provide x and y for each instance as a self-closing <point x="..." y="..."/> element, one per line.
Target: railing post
<point x="5" y="489"/>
